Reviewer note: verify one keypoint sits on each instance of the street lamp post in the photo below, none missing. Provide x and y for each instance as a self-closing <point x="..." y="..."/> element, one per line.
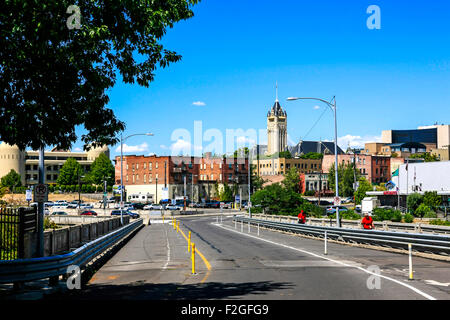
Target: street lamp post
<point x="332" y="105"/>
<point x="122" y="140"/>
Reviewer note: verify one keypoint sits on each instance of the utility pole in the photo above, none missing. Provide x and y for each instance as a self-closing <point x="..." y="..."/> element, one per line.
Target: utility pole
<point x="156" y="198"/>
<point x="41" y="204"/>
<point x="184" y="192"/>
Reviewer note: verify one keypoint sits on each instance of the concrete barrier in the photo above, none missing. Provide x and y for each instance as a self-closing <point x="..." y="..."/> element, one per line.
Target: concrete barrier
<point x="79" y="230"/>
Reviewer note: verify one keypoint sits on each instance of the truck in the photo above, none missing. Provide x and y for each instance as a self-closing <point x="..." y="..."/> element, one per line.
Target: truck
<point x="368" y="204"/>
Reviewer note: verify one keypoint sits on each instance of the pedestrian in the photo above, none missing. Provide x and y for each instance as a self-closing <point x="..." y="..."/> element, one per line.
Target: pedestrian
<point x="367" y="222"/>
<point x="301" y="218"/>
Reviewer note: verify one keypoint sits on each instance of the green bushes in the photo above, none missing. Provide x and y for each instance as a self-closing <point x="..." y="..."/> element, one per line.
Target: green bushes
<point x="347" y="215"/>
<point x="380" y="214"/>
<point x="440" y="223"/>
<point x="309" y="193"/>
<point x="423" y="210"/>
<point x="414" y="201"/>
<point x="409" y="218"/>
<point x="85" y="188"/>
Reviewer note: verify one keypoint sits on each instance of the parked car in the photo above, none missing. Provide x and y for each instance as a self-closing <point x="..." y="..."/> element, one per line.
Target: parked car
<point x="213" y="204"/>
<point x="332" y="209"/>
<point x="132" y="214"/>
<point x="172" y="207"/>
<point x="88" y="213"/>
<point x="86" y="206"/>
<point x="59" y="213"/>
<point x="138" y="206"/>
<point x="124" y="213"/>
<point x="155" y="206"/>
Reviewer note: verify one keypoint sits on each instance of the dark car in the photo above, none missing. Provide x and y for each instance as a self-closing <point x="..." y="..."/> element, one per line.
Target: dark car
<point x="59" y="213"/>
<point x="213" y="204"/>
<point x="125" y="212"/>
<point x="138" y="206"/>
<point x="88" y="213"/>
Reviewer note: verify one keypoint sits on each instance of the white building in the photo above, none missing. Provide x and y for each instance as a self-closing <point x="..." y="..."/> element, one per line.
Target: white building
<point x="422" y="177"/>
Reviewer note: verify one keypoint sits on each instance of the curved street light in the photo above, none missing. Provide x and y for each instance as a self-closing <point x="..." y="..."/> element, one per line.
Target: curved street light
<point x="332" y="105"/>
<point x="122" y="140"/>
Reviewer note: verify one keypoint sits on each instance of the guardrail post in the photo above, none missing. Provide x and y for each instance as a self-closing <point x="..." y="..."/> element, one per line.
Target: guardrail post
<point x="411" y="276"/>
<point x="242" y="226"/>
<point x="258" y="229"/>
<point x="419" y="228"/>
<point x="193" y="258"/>
<point x="235" y="224"/>
<point x="249" y="227"/>
<point x="189" y="242"/>
<point x="325" y="249"/>
<point x="385" y="226"/>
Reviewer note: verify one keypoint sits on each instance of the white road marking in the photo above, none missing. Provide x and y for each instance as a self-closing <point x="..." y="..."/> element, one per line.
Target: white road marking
<point x="435" y="283"/>
<point x="168" y="249"/>
<point x="336" y="261"/>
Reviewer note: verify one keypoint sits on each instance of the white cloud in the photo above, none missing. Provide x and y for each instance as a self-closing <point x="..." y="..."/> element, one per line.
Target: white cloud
<point x="316" y="107"/>
<point x="243" y="140"/>
<point x="199" y="103"/>
<point x="143" y="147"/>
<point x="183" y="147"/>
<point x="77" y="150"/>
<point x="356" y="141"/>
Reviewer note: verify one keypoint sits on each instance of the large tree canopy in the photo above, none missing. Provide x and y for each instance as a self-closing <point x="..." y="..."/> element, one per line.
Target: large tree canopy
<point x="102" y="169"/>
<point x="53" y="78"/>
<point x="70" y="173"/>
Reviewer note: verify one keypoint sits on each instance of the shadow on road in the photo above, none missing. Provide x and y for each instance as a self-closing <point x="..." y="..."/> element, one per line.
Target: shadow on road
<point x="172" y="291"/>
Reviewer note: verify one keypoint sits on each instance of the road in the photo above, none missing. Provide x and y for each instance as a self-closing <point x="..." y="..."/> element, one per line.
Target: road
<point x="155" y="265"/>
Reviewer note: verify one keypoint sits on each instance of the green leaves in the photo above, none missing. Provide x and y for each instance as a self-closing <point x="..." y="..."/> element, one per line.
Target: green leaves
<point x="11" y="180"/>
<point x="70" y="172"/>
<point x="53" y="78"/>
<point x="101" y="169"/>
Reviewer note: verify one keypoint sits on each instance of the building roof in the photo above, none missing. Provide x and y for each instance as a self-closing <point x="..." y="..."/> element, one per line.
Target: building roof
<point x="304" y="147"/>
<point x="277" y="110"/>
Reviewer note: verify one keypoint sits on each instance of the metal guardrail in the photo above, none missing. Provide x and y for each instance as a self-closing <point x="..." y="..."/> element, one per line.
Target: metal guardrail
<point x="355" y="224"/>
<point x="24" y="270"/>
<point x="436" y="244"/>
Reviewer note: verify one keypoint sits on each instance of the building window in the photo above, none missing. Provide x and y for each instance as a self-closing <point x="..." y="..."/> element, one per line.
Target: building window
<point x="145" y="165"/>
<point x="212" y="165"/>
<point x="49" y="177"/>
<point x="149" y="166"/>
<point x="137" y="166"/>
<point x="220" y="177"/>
<point x="127" y="166"/>
<point x="55" y="177"/>
<point x="137" y="177"/>
<point x="156" y="165"/>
<point x="212" y="177"/>
<point x="220" y="167"/>
<point x="127" y="178"/>
<point x="156" y="176"/>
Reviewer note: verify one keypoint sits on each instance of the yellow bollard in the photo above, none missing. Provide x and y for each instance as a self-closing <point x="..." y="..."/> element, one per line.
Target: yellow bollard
<point x="178" y="226"/>
<point x="189" y="242"/>
<point x="174" y="223"/>
<point x="193" y="258"/>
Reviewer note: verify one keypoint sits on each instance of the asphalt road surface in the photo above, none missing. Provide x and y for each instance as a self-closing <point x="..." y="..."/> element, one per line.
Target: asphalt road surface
<point x="156" y="265"/>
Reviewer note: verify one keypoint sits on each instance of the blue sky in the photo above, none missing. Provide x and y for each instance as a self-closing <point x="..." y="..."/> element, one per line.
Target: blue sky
<point x="234" y="51"/>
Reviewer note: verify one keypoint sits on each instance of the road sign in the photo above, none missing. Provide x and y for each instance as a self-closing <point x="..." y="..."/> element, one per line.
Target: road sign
<point x="337" y="201"/>
<point x="41" y="193"/>
<point x="29" y="195"/>
<point x="237" y="199"/>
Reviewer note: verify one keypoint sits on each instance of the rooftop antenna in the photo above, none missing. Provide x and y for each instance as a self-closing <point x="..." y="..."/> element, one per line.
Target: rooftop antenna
<point x="276" y="91"/>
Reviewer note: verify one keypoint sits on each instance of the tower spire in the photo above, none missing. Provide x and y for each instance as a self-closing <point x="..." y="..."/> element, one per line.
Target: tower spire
<point x="276" y="90"/>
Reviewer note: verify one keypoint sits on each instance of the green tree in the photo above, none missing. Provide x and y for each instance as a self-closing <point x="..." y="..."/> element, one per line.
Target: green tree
<point x="413" y="201"/>
<point x="101" y="169"/>
<point x="68" y="175"/>
<point x="346" y="175"/>
<point x="292" y="180"/>
<point x="312" y="155"/>
<point x="428" y="157"/>
<point x="54" y="77"/>
<point x="364" y="186"/>
<point x="11" y="180"/>
<point x="226" y="194"/>
<point x="278" y="200"/>
<point x="432" y="200"/>
<point x="424" y="211"/>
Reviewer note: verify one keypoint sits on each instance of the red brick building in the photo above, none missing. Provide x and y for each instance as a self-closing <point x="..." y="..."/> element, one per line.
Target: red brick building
<point x="149" y="175"/>
<point x="375" y="168"/>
